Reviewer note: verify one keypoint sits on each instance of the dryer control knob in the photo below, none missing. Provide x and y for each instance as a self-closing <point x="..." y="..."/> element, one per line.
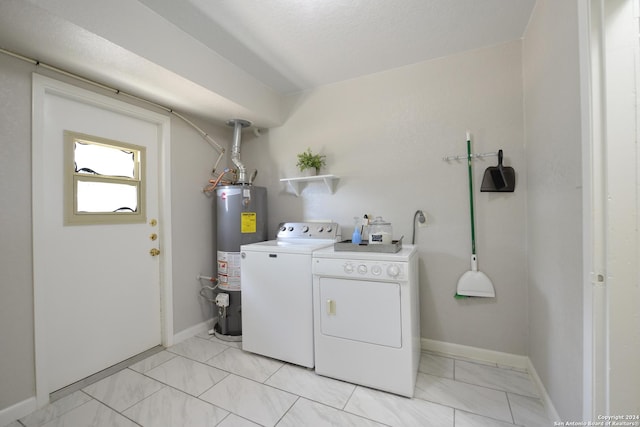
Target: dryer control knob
<point x="305" y="229"/>
<point x="348" y="268"/>
<point x="393" y="270"/>
<point x="376" y="270"/>
<point x="362" y="269"/>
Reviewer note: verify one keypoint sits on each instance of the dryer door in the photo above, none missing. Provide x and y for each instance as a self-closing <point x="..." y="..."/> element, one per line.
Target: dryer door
<point x="360" y="310"/>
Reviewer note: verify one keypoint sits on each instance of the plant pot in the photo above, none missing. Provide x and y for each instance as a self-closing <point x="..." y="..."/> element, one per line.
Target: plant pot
<point x="310" y="172"/>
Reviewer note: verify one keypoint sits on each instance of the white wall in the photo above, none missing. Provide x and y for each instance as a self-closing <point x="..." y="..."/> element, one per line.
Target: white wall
<point x="193" y="229"/>
<point x="385" y="136"/>
<point x="554" y="201"/>
<point x="17" y="377"/>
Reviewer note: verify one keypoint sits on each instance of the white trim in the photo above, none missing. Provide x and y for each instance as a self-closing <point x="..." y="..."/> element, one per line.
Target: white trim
<point x="17" y="411"/>
<point x="595" y="383"/>
<point x="194" y="330"/>
<point x="166" y="261"/>
<point x="41" y="86"/>
<point x="37" y="193"/>
<point x="586" y="96"/>
<point x="480" y="354"/>
<point x="552" y="414"/>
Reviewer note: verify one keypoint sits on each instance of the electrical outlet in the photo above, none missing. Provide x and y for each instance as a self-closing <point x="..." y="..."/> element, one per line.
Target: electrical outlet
<point x="422" y="224"/>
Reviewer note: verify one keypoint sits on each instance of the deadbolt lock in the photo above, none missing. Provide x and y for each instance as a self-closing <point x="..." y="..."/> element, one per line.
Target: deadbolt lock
<point x="154" y="252"/>
<point x="153" y="236"/>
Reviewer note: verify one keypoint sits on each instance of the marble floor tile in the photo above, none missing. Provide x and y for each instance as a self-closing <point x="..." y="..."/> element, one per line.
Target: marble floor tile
<point x="468" y="397"/>
<point x="171" y="407"/>
<point x="54" y="410"/>
<point x="205" y="381"/>
<point x="235" y="421"/>
<point x="305" y="382"/>
<point x="152" y="361"/>
<point x="245" y="364"/>
<point x="466" y="359"/>
<point x="205" y="335"/>
<point x="395" y="410"/>
<point x="465" y="419"/>
<point x="436" y="365"/>
<point x="234" y="344"/>
<point x="257" y="402"/>
<point x="528" y="411"/>
<point x="187" y="375"/>
<point x="308" y="413"/>
<point x="496" y="378"/>
<point x="512" y="368"/>
<point x="123" y="389"/>
<point x="91" y="414"/>
<point x="197" y="349"/>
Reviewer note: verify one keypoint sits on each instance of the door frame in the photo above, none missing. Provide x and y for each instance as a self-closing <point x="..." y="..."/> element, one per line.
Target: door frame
<point x="42" y="86"/>
<point x="598" y="246"/>
<point x="593" y="225"/>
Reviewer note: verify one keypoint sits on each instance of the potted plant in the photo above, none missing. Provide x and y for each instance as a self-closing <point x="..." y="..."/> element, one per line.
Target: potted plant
<point x="310" y="161"/>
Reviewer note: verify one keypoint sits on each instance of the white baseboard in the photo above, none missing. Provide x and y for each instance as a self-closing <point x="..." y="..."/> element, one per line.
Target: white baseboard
<point x="546" y="400"/>
<point x="501" y="359"/>
<point x="193" y="330"/>
<point x="17" y="411"/>
<point x="480" y="354"/>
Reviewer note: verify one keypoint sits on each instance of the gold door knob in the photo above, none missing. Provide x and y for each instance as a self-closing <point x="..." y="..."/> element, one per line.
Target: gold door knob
<point x="153" y="236"/>
<point x="154" y="252"/>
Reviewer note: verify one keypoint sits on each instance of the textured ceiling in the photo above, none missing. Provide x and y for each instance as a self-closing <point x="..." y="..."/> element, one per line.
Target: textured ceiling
<point x="220" y="59"/>
<point x="294" y="45"/>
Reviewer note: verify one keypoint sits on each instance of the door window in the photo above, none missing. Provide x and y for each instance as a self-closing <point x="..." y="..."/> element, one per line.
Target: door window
<point x="103" y="181"/>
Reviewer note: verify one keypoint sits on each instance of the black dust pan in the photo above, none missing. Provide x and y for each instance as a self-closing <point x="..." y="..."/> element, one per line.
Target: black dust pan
<point x="499" y="178"/>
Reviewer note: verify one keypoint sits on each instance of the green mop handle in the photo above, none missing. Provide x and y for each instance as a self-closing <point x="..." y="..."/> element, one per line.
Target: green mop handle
<point x="473" y="232"/>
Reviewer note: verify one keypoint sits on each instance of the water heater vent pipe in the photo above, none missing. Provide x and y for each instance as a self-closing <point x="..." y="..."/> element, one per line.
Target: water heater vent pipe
<point x="238" y="125"/>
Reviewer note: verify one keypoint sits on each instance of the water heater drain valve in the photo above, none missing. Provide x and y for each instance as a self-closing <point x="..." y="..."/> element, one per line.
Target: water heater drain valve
<point x="222" y="300"/>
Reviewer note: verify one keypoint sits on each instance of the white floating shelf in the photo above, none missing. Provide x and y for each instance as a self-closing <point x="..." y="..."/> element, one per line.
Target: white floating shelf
<point x="297" y="183"/>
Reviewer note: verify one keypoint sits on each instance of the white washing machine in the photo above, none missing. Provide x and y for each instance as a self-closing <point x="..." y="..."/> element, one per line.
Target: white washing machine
<point x="277" y="291"/>
<point x="366" y="318"/>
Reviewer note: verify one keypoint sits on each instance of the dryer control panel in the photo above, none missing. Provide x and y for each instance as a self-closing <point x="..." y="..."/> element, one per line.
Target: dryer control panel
<point x="360" y="269"/>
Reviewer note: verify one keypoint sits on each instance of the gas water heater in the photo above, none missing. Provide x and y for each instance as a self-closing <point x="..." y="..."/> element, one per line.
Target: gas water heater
<point x="241" y="218"/>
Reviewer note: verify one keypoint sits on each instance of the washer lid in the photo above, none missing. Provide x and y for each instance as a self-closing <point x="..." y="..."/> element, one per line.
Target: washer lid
<point x="298" y="246"/>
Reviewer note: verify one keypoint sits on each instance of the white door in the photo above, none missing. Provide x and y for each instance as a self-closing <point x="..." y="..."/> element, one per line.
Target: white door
<point x="97" y="287"/>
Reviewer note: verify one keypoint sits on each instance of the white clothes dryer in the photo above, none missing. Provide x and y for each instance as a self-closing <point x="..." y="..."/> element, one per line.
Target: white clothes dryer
<point x="366" y="318"/>
<point x="277" y="291"/>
